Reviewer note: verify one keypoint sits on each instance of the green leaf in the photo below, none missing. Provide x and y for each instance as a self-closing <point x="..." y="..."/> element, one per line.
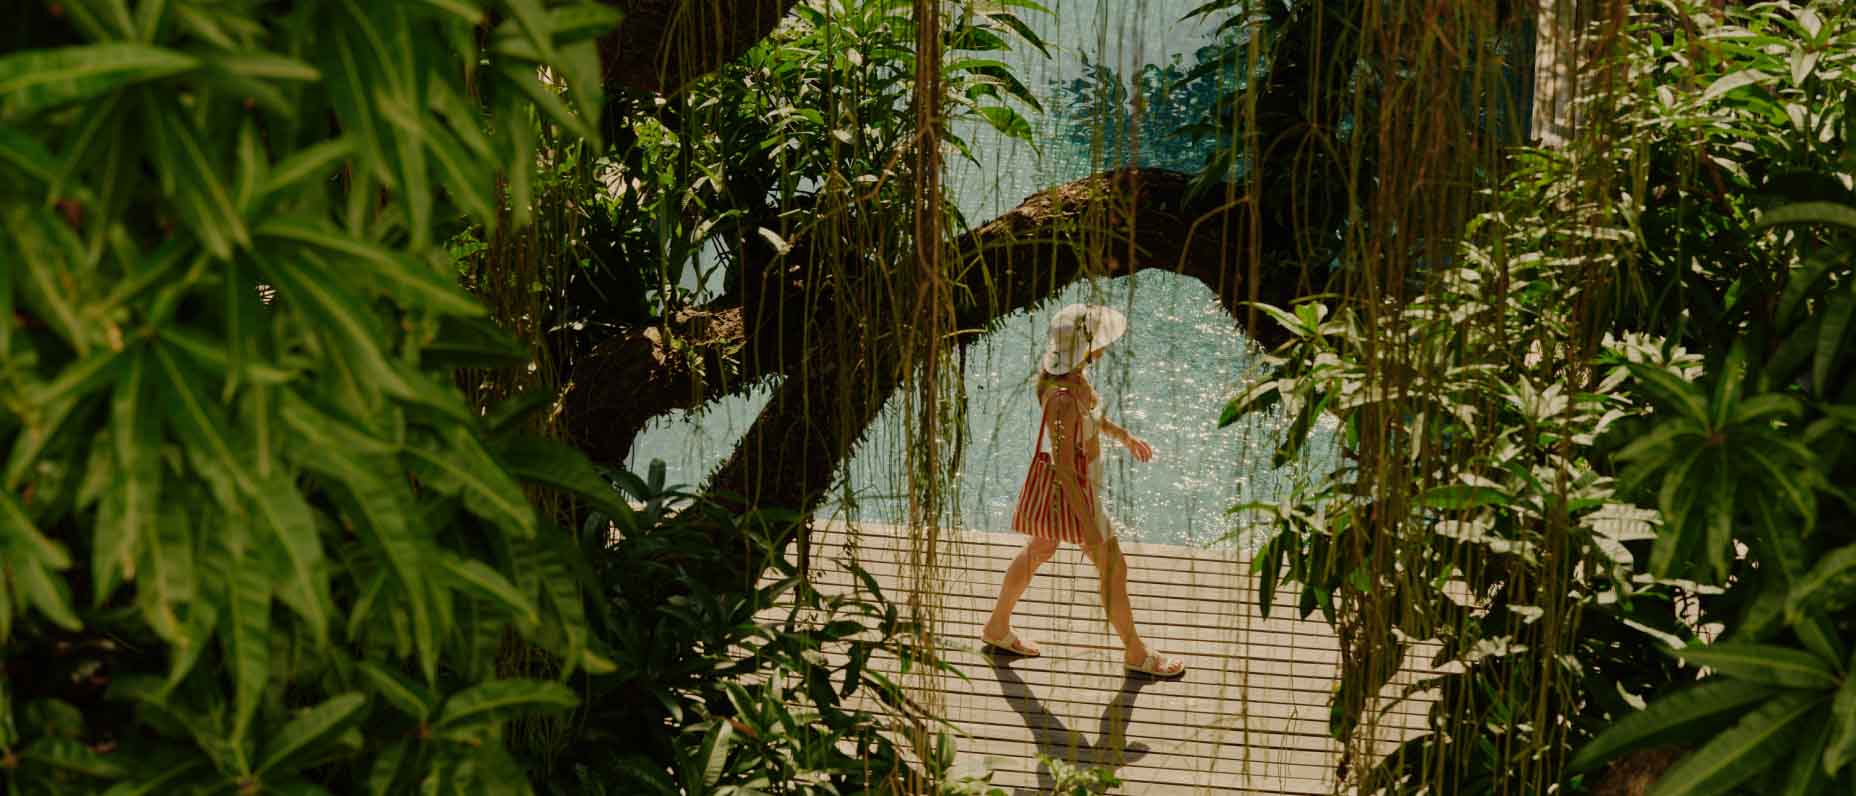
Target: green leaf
<point x="458" y="464"/>
<point x="384" y="777"/>
<point x="379" y="491"/>
<point x="166" y="579"/>
<point x="405" y="150"/>
<point x="191" y="179"/>
<point x="21" y="539"/>
<point x="1832" y="578"/>
<point x="344" y="320"/>
<point x="129" y="509"/>
<point x="261" y="65"/>
<point x="352" y="72"/>
<point x="144" y="784"/>
<point x="1841" y="215"/>
<point x="467" y="11"/>
<point x="403" y="277"/>
<point x="560" y="586"/>
<point x="1668" y="390"/>
<point x="406" y="695"/>
<point x="478" y="578"/>
<point x="1840" y="747"/>
<point x="532" y="17"/>
<point x="200" y="419"/>
<point x="281" y="510"/>
<point x="1765" y="664"/>
<point x="547" y="103"/>
<point x="1007" y="121"/>
<point x="1463" y="496"/>
<point x="467" y="180"/>
<point x="35" y="80"/>
<point x="1755" y="744"/>
<point x="1675" y="715"/>
<point x="47" y="593"/>
<point x="25" y="153"/>
<point x="1727" y="83"/>
<point x="716" y="744"/>
<point x="550" y="463"/>
<point x="473" y="342"/>
<point x="245" y="591"/>
<point x="1839" y="310"/>
<point x="66" y="754"/>
<point x="309" y="731"/>
<point x="47" y="283"/>
<point x="501" y="699"/>
<point x="1805" y="776"/>
<point x="308" y="163"/>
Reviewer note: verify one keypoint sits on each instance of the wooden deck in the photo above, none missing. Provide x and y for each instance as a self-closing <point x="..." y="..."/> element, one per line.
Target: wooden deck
<point x="1250" y="717"/>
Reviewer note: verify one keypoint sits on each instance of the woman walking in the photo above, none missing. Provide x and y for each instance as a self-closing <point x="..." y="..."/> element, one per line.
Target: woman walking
<point x="1060" y="501"/>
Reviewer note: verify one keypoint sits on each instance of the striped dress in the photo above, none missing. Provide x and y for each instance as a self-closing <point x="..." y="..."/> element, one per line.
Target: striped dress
<point x="1090" y="432"/>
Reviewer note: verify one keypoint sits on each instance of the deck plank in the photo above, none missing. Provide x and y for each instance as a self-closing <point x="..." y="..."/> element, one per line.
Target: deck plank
<point x="1249" y="718"/>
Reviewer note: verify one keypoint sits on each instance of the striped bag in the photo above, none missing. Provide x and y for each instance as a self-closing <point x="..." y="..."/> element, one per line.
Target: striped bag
<point x="1041" y="511"/>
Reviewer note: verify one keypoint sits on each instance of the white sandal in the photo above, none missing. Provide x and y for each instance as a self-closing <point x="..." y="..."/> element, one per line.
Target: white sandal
<point x="1157" y="667"/>
<point x="1011" y="645"/>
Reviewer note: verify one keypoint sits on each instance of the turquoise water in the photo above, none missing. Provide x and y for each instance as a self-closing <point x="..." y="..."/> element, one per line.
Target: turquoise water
<point x="1167" y="380"/>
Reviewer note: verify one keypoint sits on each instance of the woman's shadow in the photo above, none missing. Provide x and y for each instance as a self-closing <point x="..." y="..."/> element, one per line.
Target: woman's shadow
<point x="1057" y="741"/>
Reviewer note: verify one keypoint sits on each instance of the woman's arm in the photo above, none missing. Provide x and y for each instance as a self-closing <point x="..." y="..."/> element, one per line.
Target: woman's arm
<point x="1064" y="416"/>
<point x="1139" y="447"/>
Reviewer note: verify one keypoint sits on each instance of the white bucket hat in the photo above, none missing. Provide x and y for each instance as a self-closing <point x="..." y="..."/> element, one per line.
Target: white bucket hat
<point x="1077" y="330"/>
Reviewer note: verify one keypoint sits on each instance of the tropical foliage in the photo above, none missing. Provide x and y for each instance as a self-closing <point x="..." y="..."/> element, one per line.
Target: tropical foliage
<point x="294" y="296"/>
<point x="1616" y="422"/>
<point x="255" y="539"/>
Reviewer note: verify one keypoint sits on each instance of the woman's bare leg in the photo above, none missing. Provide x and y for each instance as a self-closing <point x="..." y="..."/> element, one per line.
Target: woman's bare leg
<point x="1017" y="577"/>
<point x="1112" y="581"/>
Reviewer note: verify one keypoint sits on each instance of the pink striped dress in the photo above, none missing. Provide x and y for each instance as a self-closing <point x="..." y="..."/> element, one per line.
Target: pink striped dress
<point x="1090" y="432"/>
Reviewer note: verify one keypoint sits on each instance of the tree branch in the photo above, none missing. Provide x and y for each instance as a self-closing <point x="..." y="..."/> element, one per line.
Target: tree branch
<point x="662" y="45"/>
<point x="1110" y="224"/>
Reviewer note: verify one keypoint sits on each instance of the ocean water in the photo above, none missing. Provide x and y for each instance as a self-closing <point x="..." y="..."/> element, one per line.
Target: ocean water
<point x="1167" y="380"/>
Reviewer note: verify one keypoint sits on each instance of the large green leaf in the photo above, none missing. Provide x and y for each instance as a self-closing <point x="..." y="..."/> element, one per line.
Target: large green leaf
<point x="1672" y="392"/>
<point x="345" y="321"/>
<point x="409" y="697"/>
<point x="1805" y="774"/>
<point x="35" y="80"/>
<point x="309" y="731"/>
<point x="1840" y="747"/>
<point x="1809" y="213"/>
<point x="199" y="419"/>
<point x="309" y="163"/>
<point x="128" y="512"/>
<point x="473" y="343"/>
<point x="38" y="586"/>
<point x="402" y="277"/>
<point x="1757" y="743"/>
<point x="542" y="461"/>
<point x="21" y="539"/>
<point x="66" y="754"/>
<point x="49" y="287"/>
<point x="282" y="511"/>
<point x="379" y="493"/>
<point x="244" y="593"/>
<point x="28" y="156"/>
<point x="501" y="699"/>
<point x="1765" y="664"/>
<point x="1838" y="314"/>
<point x="1680" y="713"/>
<point x="1831" y="581"/>
<point x="191" y="178"/>
<point x="456" y="463"/>
<point x="166" y="579"/>
<point x="478" y="578"/>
